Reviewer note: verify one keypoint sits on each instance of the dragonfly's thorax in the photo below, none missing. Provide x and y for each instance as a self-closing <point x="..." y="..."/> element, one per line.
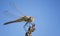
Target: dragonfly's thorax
<point x="28" y="19"/>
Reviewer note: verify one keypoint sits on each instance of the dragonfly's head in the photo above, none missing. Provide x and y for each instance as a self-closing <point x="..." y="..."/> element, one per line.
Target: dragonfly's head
<point x="32" y="18"/>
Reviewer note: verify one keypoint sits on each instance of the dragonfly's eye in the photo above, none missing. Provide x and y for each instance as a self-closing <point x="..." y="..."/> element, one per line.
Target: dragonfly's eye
<point x="32" y="18"/>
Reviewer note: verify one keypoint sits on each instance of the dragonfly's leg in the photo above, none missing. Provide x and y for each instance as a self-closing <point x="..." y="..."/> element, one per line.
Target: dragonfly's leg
<point x="32" y="24"/>
<point x="25" y="27"/>
<point x="29" y="24"/>
<point x="25" y="24"/>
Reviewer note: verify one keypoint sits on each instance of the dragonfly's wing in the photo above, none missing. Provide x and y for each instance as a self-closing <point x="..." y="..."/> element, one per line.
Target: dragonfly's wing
<point x="14" y="10"/>
<point x="8" y="13"/>
<point x="15" y="6"/>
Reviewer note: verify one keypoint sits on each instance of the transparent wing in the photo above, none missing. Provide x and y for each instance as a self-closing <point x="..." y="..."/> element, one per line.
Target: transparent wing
<point x="9" y="13"/>
<point x="14" y="5"/>
<point x="13" y="10"/>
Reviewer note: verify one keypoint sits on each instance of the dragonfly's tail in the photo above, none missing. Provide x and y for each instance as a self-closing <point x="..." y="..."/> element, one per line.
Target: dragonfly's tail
<point x="9" y="22"/>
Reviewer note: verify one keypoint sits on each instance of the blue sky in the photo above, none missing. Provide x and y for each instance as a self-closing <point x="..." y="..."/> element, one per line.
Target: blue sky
<point x="45" y="12"/>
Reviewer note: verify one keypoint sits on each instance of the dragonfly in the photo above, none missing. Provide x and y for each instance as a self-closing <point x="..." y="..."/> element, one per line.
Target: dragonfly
<point x="28" y="19"/>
